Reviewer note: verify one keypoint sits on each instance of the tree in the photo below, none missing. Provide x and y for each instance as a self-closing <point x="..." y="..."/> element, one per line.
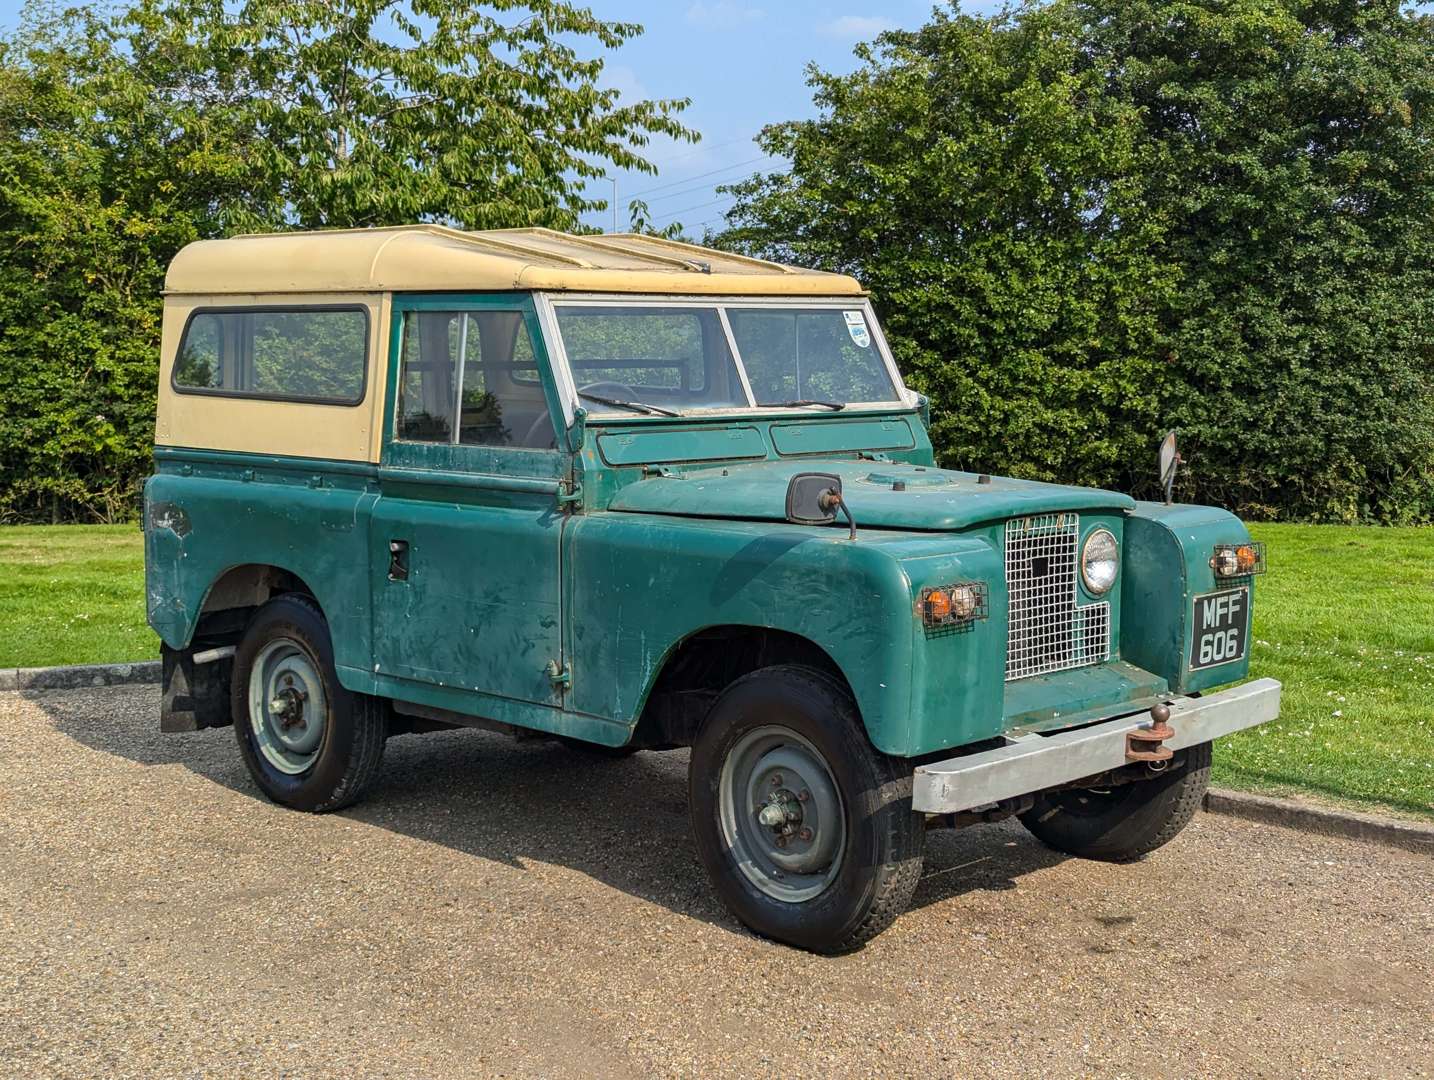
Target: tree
<point x="89" y="216"/>
<point x="1087" y="221"/>
<point x="122" y="139"/>
<point x="981" y="185"/>
<point x="1291" y="148"/>
<point x="376" y="112"/>
<point x="639" y="218"/>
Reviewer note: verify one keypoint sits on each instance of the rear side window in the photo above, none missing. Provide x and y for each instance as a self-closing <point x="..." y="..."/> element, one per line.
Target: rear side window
<point x="295" y="354"/>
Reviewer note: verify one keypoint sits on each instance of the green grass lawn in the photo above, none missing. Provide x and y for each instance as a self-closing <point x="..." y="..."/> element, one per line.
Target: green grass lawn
<point x="72" y="594"/>
<point x="1344" y="618"/>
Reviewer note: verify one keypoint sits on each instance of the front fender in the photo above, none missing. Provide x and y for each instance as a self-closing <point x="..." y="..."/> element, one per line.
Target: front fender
<point x="639" y="585"/>
<point x="1167" y="564"/>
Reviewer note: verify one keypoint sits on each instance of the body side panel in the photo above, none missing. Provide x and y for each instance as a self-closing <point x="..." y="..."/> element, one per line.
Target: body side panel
<point x="641" y="584"/>
<point x="210" y="511"/>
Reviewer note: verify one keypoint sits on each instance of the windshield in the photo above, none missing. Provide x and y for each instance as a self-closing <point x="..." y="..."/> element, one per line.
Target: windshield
<point x="664" y="358"/>
<point x="672" y="357"/>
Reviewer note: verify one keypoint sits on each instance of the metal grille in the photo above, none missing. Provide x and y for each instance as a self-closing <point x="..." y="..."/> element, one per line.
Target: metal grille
<point x="1047" y="631"/>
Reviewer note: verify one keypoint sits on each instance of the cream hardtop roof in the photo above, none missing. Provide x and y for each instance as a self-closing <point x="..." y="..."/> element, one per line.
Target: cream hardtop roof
<point x="423" y="258"/>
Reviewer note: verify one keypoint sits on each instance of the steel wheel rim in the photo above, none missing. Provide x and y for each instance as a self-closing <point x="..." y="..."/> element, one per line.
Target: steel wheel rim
<point x="771" y="774"/>
<point x="288" y="710"/>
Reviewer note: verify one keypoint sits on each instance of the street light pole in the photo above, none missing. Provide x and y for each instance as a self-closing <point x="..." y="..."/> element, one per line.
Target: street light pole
<point x="613" y="180"/>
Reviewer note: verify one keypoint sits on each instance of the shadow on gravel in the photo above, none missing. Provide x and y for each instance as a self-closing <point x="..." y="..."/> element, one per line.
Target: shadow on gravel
<point x="620" y="821"/>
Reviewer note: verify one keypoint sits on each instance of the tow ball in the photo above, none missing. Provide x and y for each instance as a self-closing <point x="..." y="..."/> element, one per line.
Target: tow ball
<point x="1146" y="744"/>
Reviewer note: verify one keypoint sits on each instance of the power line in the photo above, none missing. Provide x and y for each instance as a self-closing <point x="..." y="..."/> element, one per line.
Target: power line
<point x="710" y="221"/>
<point x="697" y="206"/>
<point x="699" y="176"/>
<point x="693" y="189"/>
<point x="700" y="149"/>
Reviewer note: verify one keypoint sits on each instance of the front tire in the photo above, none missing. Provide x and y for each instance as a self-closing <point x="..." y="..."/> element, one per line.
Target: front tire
<point x="1126" y="822"/>
<point x="806" y="829"/>
<point x="307" y="742"/>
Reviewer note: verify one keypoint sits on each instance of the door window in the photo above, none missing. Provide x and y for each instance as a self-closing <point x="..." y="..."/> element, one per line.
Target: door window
<point x="467" y="377"/>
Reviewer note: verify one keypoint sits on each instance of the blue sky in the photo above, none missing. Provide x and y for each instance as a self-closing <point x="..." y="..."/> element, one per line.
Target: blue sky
<point x="741" y="62"/>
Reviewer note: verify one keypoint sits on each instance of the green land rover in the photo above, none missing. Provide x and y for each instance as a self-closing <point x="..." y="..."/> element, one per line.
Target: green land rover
<point x="640" y="495"/>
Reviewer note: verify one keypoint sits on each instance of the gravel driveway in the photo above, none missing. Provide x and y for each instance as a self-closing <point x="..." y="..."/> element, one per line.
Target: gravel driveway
<point x="501" y="908"/>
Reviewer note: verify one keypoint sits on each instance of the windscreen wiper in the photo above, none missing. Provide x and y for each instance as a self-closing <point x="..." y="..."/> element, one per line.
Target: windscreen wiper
<point x="635" y="406"/>
<point x="834" y="406"/>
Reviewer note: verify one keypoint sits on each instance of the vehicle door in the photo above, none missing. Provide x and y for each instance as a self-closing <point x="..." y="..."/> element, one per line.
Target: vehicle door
<point x="466" y="536"/>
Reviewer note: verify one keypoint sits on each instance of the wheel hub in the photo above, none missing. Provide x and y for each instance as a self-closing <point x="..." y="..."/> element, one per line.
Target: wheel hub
<point x="782" y="814"/>
<point x="288" y="709"/>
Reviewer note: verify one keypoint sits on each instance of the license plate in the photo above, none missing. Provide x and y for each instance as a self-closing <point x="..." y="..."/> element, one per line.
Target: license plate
<point x="1222" y="622"/>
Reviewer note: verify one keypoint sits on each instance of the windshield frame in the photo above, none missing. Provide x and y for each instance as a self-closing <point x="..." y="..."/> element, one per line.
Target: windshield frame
<point x="548" y="303"/>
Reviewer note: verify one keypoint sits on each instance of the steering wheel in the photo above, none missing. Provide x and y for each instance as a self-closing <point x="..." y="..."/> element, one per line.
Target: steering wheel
<point x="605" y="387"/>
<point x="535" y="430"/>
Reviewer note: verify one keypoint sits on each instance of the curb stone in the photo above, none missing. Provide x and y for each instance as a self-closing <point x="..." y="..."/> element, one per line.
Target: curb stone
<point x="79" y="677"/>
<point x="1371" y="828"/>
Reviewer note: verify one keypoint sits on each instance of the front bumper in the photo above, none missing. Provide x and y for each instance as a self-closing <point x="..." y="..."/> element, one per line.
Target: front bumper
<point x="1033" y="762"/>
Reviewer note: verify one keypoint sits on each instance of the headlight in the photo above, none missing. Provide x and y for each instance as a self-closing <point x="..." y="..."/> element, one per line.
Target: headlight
<point x="1099" y="561"/>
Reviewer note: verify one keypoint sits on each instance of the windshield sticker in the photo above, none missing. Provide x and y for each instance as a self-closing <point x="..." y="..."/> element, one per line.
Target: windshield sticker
<point x="856" y="327"/>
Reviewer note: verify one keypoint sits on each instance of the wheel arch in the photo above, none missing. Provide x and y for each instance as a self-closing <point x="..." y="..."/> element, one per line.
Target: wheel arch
<point x="700" y="665"/>
<point x="236" y="592"/>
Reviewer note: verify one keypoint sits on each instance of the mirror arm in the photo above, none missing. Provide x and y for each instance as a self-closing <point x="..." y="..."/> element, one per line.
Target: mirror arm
<point x="835" y="499"/>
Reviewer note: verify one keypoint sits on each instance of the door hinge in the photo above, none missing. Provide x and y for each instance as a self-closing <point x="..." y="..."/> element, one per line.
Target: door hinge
<point x="570" y="492"/>
<point x="559" y="674"/>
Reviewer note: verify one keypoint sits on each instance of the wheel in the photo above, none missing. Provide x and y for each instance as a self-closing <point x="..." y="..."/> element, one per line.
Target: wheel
<point x="307" y="742"/>
<point x="806" y="830"/>
<point x="1126" y="822"/>
<point x="596" y="750"/>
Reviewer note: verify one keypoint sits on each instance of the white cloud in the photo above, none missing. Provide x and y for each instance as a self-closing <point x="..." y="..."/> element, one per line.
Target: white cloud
<point x="723" y="15"/>
<point x="624" y="80"/>
<point x="858" y="27"/>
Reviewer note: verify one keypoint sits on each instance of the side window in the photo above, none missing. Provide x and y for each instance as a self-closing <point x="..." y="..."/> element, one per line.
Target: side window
<point x="315" y="354"/>
<point x="427" y="381"/>
<point x="471" y="378"/>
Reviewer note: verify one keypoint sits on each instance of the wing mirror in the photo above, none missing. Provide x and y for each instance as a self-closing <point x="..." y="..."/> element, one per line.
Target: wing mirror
<point x="814" y="498"/>
<point x="1170" y="462"/>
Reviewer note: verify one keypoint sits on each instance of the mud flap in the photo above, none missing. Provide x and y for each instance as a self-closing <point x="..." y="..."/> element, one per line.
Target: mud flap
<point x="195" y="696"/>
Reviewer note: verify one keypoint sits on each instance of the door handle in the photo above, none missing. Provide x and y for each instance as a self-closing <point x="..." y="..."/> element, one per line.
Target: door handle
<point x="398" y="560"/>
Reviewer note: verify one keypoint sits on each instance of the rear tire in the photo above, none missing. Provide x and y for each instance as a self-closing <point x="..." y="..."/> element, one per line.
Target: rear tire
<point x="1126" y="822"/>
<point x="844" y="860"/>
<point x="307" y="742"/>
